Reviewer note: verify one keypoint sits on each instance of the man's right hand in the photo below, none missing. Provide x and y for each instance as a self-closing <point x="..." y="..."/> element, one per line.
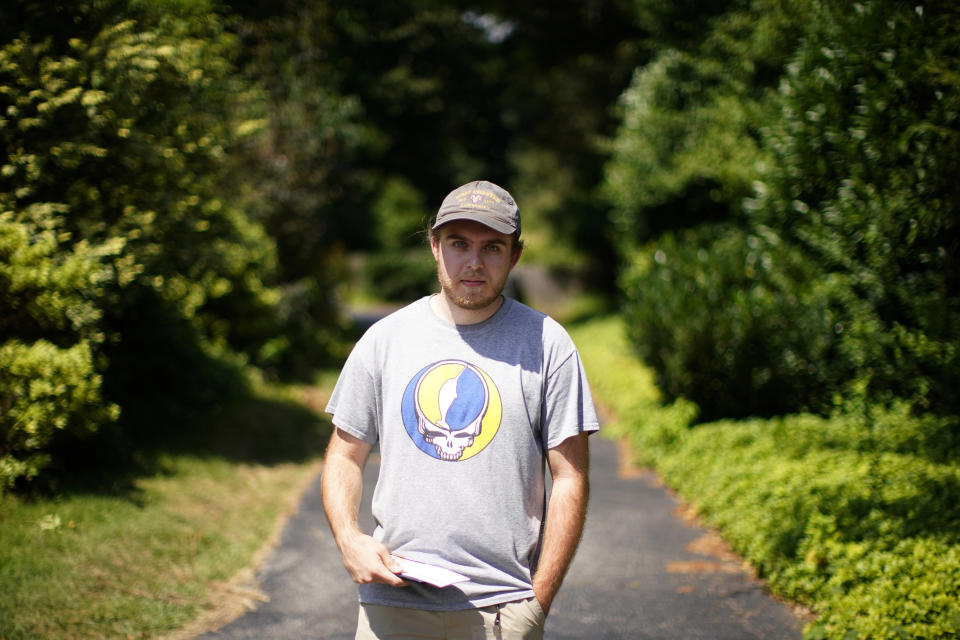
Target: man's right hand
<point x="368" y="560"/>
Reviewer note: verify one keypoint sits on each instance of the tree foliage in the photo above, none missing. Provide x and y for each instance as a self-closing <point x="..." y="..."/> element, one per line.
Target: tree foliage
<point x="730" y="348"/>
<point x="182" y="179"/>
<point x="689" y="145"/>
<point x="843" y="279"/>
<point x="113" y="192"/>
<point x="433" y="94"/>
<point x="866" y="150"/>
<point x="48" y="378"/>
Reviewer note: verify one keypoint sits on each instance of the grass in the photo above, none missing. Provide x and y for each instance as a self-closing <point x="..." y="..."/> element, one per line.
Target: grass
<point x="604" y="348"/>
<point x="624" y="387"/>
<point x="148" y="554"/>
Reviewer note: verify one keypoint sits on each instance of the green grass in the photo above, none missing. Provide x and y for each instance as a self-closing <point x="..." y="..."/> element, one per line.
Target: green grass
<point x="623" y="386"/>
<point x="145" y="555"/>
<point x="855" y="515"/>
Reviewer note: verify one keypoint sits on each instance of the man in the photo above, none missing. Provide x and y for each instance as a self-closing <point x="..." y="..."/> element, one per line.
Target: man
<point x="467" y="393"/>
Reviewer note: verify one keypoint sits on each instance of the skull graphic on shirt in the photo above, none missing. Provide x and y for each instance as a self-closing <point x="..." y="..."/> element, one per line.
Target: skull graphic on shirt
<point x="461" y="401"/>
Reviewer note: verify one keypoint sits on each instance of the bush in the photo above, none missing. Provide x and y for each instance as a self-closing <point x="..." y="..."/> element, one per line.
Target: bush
<point x="853" y="515"/>
<point x="723" y="317"/>
<point x="50" y="327"/>
<point x="44" y="389"/>
<point x="706" y="294"/>
<point x="831" y="521"/>
<point x="689" y="145"/>
<point x="858" y="290"/>
<point x="684" y="154"/>
<point x="863" y="183"/>
<point x="114" y="183"/>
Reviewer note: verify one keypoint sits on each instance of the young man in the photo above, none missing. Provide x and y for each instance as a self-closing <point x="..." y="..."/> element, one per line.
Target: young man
<point x="468" y="394"/>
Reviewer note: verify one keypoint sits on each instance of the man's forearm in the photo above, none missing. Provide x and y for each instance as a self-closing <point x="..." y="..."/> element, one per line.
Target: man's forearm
<point x="341" y="486"/>
<point x="566" y="514"/>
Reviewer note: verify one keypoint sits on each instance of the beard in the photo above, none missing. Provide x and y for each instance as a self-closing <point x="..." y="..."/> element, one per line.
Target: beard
<point x="474" y="300"/>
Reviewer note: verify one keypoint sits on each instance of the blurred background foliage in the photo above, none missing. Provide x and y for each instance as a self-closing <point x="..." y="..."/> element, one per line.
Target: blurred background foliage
<point x="765" y="188"/>
<point x="790" y="176"/>
<point x="185" y="184"/>
<point x="764" y="192"/>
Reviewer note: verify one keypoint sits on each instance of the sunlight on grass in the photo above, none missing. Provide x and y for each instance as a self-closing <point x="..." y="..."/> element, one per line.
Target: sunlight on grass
<point x="620" y="382"/>
<point x="146" y="560"/>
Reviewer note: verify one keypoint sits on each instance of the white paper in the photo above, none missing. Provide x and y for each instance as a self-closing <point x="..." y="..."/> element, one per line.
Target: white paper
<point x="431" y="574"/>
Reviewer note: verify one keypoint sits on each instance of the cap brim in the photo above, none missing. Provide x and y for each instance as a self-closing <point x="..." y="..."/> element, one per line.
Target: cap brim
<point x="475" y="216"/>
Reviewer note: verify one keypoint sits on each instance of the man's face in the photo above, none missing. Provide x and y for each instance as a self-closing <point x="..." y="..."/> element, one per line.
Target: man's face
<point x="473" y="262"/>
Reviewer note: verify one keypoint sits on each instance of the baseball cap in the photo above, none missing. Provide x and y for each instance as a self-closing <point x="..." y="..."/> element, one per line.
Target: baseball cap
<point x="482" y="202"/>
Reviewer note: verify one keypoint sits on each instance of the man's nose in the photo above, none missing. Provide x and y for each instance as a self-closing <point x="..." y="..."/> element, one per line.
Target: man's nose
<point x="475" y="259"/>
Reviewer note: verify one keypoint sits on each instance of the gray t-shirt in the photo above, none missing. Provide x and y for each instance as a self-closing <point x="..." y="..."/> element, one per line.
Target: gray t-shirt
<point x="463" y="415"/>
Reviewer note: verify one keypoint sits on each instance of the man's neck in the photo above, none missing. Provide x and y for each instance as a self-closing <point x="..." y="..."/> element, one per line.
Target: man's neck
<point x="451" y="312"/>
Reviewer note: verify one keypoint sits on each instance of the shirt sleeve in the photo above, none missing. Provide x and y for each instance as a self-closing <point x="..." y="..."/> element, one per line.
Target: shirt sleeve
<point x="355" y="401"/>
<point x="568" y="404"/>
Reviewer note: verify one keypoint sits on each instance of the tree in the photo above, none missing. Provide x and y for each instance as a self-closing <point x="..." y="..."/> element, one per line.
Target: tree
<point x="837" y="277"/>
<point x="115" y="198"/>
<point x="689" y="145"/>
<point x="435" y="94"/>
<point x="863" y="182"/>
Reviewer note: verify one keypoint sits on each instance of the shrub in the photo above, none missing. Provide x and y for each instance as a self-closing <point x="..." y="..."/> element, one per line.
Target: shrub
<point x="689" y="144"/>
<point x="44" y="389"/>
<point x="830" y="520"/>
<point x="114" y="183"/>
<point x="632" y="391"/>
<point x="854" y="515"/>
<point x="50" y="332"/>
<point x="862" y="182"/>
<point x="723" y="317"/>
<point x="854" y="186"/>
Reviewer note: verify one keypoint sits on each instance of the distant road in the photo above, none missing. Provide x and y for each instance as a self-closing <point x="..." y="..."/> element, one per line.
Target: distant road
<point x="641" y="573"/>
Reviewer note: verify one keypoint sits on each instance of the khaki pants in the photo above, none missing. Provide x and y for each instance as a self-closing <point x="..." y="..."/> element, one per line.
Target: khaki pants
<point x="519" y="620"/>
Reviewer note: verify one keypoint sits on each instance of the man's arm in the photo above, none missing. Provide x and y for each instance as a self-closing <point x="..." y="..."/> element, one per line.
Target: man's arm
<point x="566" y="513"/>
<point x="366" y="559"/>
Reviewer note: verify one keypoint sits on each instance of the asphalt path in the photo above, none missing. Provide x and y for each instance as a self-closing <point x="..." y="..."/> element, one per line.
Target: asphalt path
<point x="643" y="571"/>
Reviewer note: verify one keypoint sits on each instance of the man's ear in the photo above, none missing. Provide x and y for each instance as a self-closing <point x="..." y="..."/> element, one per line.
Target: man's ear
<point x="435" y="247"/>
<point x="516" y="256"/>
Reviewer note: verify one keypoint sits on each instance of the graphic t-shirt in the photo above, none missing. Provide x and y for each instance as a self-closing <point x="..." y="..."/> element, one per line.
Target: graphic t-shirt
<point x="463" y="415"/>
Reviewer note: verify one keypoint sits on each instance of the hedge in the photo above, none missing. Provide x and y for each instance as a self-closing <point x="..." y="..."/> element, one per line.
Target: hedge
<point x="854" y="515"/>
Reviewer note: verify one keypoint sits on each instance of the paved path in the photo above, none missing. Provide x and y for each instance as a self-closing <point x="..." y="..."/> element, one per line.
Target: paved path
<point x="641" y="573"/>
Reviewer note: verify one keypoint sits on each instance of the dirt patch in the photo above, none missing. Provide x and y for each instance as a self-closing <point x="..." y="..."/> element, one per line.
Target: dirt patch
<point x="713" y="545"/>
<point x="703" y="566"/>
<point x="626" y="467"/>
<point x="724" y="560"/>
